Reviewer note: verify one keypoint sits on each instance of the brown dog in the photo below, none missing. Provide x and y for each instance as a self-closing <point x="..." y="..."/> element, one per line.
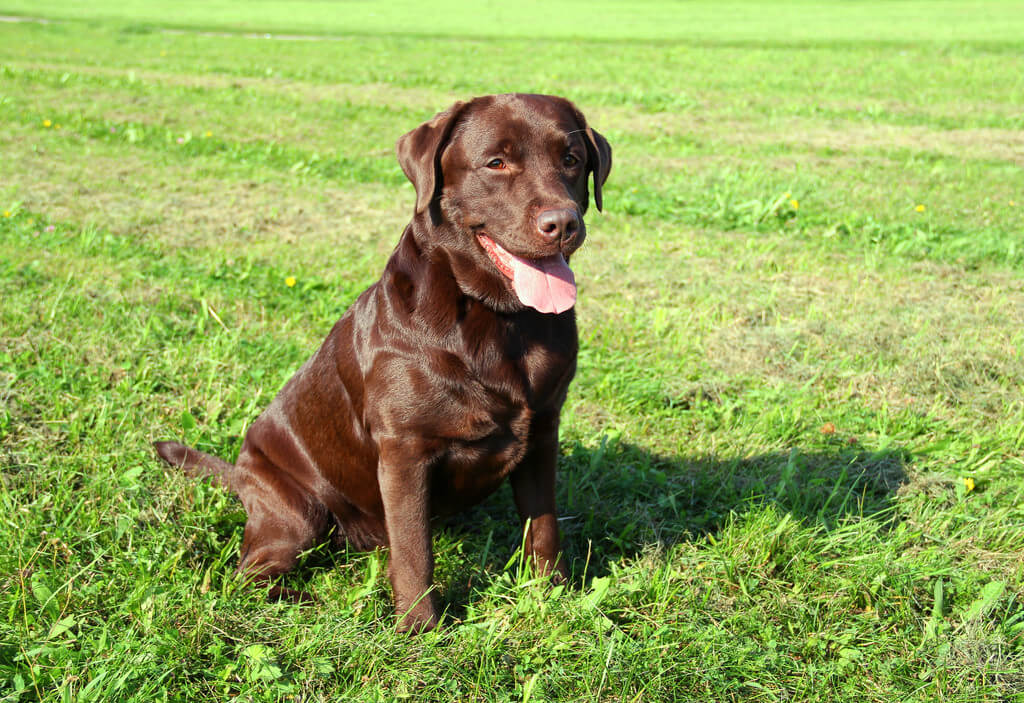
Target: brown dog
<point x="445" y="376"/>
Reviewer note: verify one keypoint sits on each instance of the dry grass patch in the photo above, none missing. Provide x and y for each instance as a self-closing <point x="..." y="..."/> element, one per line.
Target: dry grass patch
<point x="926" y="339"/>
<point x="928" y="336"/>
<point x="369" y="94"/>
<point x="238" y="114"/>
<point x="711" y="126"/>
<point x="981" y="143"/>
<point x="200" y="202"/>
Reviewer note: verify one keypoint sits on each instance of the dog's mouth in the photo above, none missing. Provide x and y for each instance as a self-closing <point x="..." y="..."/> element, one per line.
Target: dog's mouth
<point x="545" y="284"/>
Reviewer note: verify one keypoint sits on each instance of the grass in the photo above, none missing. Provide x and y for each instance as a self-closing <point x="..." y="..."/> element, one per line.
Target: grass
<point x="646" y="20"/>
<point x="792" y="457"/>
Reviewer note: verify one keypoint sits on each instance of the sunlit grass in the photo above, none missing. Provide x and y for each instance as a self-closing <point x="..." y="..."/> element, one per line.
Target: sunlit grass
<point x="793" y="453"/>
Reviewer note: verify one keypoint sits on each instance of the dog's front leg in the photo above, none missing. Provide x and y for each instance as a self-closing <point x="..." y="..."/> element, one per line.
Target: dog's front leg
<point x="533" y="485"/>
<point x="405" y="492"/>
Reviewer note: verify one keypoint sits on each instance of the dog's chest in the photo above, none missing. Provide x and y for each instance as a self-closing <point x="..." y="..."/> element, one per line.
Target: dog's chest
<point x="522" y="362"/>
<point x="509" y="392"/>
<point x="496" y="389"/>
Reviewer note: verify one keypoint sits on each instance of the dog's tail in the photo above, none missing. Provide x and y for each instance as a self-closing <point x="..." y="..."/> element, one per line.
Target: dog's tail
<point x="196" y="463"/>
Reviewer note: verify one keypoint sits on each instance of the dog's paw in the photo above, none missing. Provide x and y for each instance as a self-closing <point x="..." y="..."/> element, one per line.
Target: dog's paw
<point x="421" y="617"/>
<point x="559" y="576"/>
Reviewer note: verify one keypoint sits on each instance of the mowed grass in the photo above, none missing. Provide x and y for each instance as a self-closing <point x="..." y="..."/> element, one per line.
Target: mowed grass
<point x="792" y="458"/>
<point x="643" y="20"/>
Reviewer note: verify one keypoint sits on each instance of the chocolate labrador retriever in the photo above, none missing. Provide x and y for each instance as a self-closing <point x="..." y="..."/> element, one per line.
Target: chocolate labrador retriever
<point x="448" y="374"/>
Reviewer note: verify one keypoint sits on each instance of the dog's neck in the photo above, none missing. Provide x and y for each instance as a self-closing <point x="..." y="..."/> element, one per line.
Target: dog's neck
<point x="456" y="252"/>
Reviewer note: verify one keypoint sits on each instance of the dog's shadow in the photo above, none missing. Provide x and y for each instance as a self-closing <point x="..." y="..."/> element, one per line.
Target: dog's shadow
<point x="618" y="499"/>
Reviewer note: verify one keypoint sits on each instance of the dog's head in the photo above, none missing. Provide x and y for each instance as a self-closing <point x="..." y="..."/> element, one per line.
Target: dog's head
<point x="509" y="175"/>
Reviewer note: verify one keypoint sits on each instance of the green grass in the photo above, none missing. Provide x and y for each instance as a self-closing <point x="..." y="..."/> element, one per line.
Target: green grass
<point x="645" y="20"/>
<point x="793" y="455"/>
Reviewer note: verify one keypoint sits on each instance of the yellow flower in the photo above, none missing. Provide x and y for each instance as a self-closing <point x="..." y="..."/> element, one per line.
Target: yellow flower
<point x="795" y="204"/>
<point x="920" y="208"/>
<point x="969" y="484"/>
<point x="7" y="213"/>
<point x="47" y="123"/>
<point x="290" y="281"/>
<point x="788" y="195"/>
<point x="208" y="133"/>
<point x="1012" y="203"/>
<point x="57" y="126"/>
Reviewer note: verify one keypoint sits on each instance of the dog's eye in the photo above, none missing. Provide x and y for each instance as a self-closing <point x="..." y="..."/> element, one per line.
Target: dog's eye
<point x="496" y="164"/>
<point x="569" y="161"/>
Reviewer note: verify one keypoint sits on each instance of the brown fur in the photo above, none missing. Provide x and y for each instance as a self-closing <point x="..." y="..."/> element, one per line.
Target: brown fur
<point x="437" y="383"/>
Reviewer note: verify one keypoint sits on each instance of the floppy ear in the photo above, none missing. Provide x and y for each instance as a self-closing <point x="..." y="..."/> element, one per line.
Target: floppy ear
<point x="599" y="161"/>
<point x="599" y="155"/>
<point x="419" y="153"/>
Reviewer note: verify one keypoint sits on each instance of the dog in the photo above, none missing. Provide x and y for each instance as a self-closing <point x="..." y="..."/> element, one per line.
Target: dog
<point x="447" y="375"/>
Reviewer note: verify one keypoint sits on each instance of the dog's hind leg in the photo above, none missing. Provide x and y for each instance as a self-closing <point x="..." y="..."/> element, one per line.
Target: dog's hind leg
<point x="284" y="520"/>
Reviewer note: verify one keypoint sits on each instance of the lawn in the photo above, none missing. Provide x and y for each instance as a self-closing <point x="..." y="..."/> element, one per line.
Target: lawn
<point x="792" y="459"/>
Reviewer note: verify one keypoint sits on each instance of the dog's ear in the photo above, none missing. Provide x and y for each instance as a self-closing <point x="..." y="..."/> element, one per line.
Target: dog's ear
<point x="599" y="155"/>
<point x="599" y="161"/>
<point x="600" y="151"/>
<point x="419" y="153"/>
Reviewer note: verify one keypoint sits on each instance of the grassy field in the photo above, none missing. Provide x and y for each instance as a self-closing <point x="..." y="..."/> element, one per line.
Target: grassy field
<point x="793" y="456"/>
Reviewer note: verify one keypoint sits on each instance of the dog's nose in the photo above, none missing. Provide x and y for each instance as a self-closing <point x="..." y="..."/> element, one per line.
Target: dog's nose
<point x="558" y="224"/>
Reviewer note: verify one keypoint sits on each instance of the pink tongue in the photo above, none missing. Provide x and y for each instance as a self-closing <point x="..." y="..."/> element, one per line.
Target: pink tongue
<point x="545" y="284"/>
